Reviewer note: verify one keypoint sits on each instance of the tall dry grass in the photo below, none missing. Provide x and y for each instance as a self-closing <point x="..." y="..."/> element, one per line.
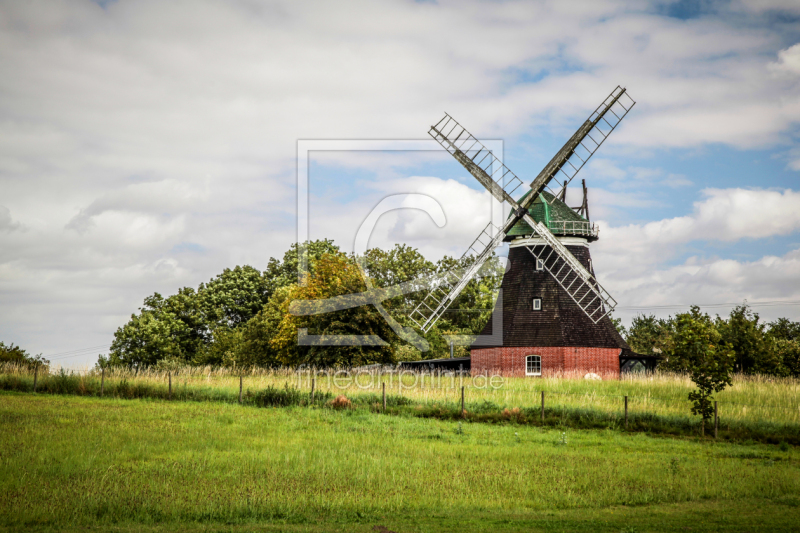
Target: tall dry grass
<point x="751" y="398"/>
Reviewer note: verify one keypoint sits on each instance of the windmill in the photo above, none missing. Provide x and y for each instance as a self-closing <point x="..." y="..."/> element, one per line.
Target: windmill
<point x="555" y="312"/>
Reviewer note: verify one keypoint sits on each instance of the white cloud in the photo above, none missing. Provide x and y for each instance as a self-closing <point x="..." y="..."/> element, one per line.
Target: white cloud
<point x="636" y="262"/>
<point x="705" y="282"/>
<point x="723" y="215"/>
<point x="7" y="224"/>
<point x="788" y="61"/>
<point x="676" y="181"/>
<point x="467" y="212"/>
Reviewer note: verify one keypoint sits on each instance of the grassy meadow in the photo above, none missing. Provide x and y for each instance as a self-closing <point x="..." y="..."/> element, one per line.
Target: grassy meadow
<point x="71" y="463"/>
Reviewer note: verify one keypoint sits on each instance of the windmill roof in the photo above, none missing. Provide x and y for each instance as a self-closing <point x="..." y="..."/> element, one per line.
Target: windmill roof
<point x="559" y="218"/>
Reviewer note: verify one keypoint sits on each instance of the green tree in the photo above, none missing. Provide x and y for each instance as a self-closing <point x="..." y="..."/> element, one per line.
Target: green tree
<point x="10" y="353"/>
<point x="235" y="317"/>
<point x="233" y="297"/>
<point x="398" y="265"/>
<point x="284" y="273"/>
<point x="648" y="334"/>
<point x="754" y="349"/>
<point x="619" y="326"/>
<point x="334" y="275"/>
<point x="256" y="348"/>
<point x="165" y="327"/>
<point x="786" y="335"/>
<point x="222" y="349"/>
<point x="467" y="315"/>
<point x="788" y="351"/>
<point x="472" y="309"/>
<point x="699" y="344"/>
<point x="785" y="329"/>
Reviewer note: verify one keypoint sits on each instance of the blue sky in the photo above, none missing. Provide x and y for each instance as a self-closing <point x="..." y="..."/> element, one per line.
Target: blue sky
<point x="146" y="146"/>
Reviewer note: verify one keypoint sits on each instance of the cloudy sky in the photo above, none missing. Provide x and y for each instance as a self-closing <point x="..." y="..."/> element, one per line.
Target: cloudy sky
<point x="146" y="145"/>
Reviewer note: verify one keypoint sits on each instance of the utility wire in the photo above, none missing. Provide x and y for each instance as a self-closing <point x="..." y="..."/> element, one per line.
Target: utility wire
<point x="773" y="303"/>
<point x="75" y="353"/>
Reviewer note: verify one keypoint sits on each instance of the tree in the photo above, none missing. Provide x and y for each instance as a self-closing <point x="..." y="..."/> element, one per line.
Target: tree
<point x="650" y="335"/>
<point x="467" y="315"/>
<point x="398" y="265"/>
<point x="472" y="309"/>
<point x="233" y="297"/>
<point x="284" y="273"/>
<point x="165" y="327"/>
<point x="699" y="344"/>
<point x="619" y="326"/>
<point x="10" y="353"/>
<point x="785" y="329"/>
<point x="788" y="351"/>
<point x="754" y="349"/>
<point x="256" y="347"/>
<point x="334" y="275"/>
<point x="786" y="335"/>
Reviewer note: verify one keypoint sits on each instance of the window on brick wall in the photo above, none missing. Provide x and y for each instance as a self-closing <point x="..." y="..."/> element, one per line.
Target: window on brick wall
<point x="533" y="365"/>
<point x="537" y="304"/>
<point x="539" y="264"/>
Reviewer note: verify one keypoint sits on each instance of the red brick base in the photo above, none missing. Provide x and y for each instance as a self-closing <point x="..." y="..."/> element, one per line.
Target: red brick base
<point x="510" y="362"/>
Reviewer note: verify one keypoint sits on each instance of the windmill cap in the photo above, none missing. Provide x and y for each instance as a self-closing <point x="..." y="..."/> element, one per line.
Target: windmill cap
<point x="559" y="218"/>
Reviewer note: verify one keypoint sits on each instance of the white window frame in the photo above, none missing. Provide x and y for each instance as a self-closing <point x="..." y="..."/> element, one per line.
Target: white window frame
<point x="536" y="304"/>
<point x="533" y="361"/>
<point x="539" y="265"/>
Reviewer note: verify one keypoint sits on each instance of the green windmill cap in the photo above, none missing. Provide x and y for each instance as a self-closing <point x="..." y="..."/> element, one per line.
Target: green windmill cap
<point x="556" y="215"/>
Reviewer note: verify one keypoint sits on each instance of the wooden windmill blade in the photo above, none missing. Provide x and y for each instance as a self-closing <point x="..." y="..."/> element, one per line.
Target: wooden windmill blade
<point x="501" y="182"/>
<point x="577" y="151"/>
<point x="449" y="287"/>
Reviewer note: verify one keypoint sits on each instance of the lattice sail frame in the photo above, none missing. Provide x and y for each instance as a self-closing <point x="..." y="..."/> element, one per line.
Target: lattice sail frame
<point x="501" y="182"/>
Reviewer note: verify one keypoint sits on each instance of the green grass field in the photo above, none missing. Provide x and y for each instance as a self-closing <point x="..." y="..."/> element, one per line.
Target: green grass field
<point x="72" y="463"/>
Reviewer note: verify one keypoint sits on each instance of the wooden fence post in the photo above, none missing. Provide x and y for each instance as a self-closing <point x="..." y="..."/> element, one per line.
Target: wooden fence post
<point x="716" y="419"/>
<point x="462" y="400"/>
<point x="35" y="376"/>
<point x="241" y="380"/>
<point x="102" y="380"/>
<point x="383" y="385"/>
<point x="543" y="407"/>
<point x="626" y="412"/>
<point x="169" y="375"/>
<point x="313" y="383"/>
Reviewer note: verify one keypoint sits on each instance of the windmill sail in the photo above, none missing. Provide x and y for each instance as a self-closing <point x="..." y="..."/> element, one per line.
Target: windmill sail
<point x="585" y="142"/>
<point x="578" y="282"/>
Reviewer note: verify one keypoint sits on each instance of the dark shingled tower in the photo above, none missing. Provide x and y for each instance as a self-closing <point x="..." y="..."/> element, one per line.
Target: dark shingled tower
<point x="556" y="331"/>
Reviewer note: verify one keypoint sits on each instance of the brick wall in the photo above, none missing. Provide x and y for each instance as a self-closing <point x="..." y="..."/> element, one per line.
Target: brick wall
<point x="578" y="361"/>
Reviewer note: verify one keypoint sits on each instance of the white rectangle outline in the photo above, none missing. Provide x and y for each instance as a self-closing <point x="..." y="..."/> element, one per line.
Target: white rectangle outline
<point x="306" y="146"/>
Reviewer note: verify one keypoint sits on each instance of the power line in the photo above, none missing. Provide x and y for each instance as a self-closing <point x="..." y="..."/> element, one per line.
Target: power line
<point x="79" y="350"/>
<point x="774" y="303"/>
<point x="75" y="353"/>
